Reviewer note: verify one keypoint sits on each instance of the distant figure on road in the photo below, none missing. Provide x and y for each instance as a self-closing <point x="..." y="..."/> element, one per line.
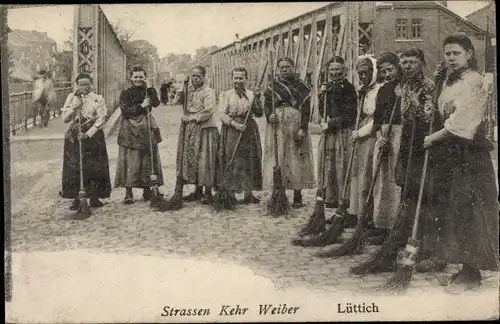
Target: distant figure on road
<point x="43" y="96"/>
<point x="164" y="90"/>
<point x="92" y="108"/>
<point x="133" y="168"/>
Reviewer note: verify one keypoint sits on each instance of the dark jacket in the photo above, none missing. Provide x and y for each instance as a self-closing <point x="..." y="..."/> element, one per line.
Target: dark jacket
<point x="293" y="93"/>
<point x="134" y="124"/>
<point x="341" y="105"/>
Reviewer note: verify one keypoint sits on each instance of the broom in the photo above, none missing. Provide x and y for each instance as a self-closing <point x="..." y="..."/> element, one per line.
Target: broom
<point x="157" y="197"/>
<point x="316" y="223"/>
<point x="222" y="199"/>
<point x="175" y="201"/>
<point x="355" y="244"/>
<point x="401" y="280"/>
<point x="390" y="245"/>
<point x="278" y="204"/>
<point x="84" y="208"/>
<point x="336" y="222"/>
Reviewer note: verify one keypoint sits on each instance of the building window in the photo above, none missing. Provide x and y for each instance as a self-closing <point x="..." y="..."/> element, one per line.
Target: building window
<point x="408" y="29"/>
<point x="401" y="29"/>
<point x="416" y="28"/>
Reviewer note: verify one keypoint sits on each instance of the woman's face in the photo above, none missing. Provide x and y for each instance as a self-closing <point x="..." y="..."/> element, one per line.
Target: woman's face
<point x="285" y="69"/>
<point x="138" y="78"/>
<point x="197" y="77"/>
<point x="456" y="57"/>
<point x="239" y="79"/>
<point x="365" y="74"/>
<point x="84" y="85"/>
<point x="335" y="71"/>
<point x="389" y="72"/>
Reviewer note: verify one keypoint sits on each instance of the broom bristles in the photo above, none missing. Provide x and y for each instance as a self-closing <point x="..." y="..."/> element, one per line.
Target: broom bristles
<point x="400" y="281"/>
<point x="352" y="246"/>
<point x="156" y="197"/>
<point x="316" y="222"/>
<point x="224" y="200"/>
<point x="278" y="204"/>
<point x="389" y="247"/>
<point x="83" y="210"/>
<point x="330" y="236"/>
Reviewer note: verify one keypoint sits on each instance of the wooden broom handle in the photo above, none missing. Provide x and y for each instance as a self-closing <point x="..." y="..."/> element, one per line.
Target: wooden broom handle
<point x="80" y="145"/>
<point x="422" y="182"/>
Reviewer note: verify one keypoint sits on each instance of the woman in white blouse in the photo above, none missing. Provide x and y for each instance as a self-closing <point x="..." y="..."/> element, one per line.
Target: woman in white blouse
<point x="92" y="109"/>
<point x="464" y="182"/>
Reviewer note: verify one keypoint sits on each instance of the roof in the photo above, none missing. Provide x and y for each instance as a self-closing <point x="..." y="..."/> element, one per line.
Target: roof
<point x="429" y="4"/>
<point x="487" y="7"/>
<point x="19" y="73"/>
<point x="24" y="37"/>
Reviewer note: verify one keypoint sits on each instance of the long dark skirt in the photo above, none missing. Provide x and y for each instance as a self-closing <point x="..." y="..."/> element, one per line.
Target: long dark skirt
<point x="133" y="168"/>
<point x="245" y="172"/>
<point x="95" y="167"/>
<point x="470" y="219"/>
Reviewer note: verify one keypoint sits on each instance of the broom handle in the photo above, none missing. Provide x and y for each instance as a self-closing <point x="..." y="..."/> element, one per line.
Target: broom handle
<point x="247" y="116"/>
<point x="379" y="158"/>
<point x="276" y="160"/>
<point x="410" y="155"/>
<point x="149" y="134"/>
<point x="80" y="148"/>
<point x="422" y="182"/>
<point x="353" y="150"/>
<point x="325" y="120"/>
<point x="181" y="153"/>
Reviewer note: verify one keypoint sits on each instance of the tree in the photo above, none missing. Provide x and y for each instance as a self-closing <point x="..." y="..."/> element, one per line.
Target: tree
<point x="10" y="56"/>
<point x="134" y="55"/>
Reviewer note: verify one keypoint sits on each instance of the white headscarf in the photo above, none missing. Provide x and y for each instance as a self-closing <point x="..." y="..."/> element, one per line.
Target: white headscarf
<point x="375" y="70"/>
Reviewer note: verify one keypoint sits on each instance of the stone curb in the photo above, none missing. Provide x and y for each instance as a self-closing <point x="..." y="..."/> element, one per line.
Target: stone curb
<point x="108" y="129"/>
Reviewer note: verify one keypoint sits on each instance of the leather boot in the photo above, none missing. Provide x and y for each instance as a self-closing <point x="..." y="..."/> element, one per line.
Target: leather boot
<point x="297" y="199"/>
<point x="94" y="196"/>
<point x="207" y="198"/>
<point x="129" y="196"/>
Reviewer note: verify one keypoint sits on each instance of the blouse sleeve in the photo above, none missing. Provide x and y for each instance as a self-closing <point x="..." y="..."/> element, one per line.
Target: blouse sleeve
<point x="469" y="108"/>
<point x="101" y="113"/>
<point x="224" y="109"/>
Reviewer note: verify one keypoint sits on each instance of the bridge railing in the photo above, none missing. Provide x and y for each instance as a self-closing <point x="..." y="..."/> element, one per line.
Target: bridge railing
<point x="22" y="110"/>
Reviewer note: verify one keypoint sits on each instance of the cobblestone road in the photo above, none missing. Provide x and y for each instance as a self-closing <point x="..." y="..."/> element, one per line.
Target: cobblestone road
<point x="246" y="236"/>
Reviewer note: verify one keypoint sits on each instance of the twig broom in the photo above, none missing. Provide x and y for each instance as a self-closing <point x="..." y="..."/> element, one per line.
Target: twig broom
<point x="401" y="280"/>
<point x="278" y="204"/>
<point x="84" y="208"/>
<point x="156" y="196"/>
<point x="336" y="222"/>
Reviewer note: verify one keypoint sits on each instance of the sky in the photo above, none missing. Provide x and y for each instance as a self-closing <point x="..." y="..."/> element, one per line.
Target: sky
<point x="181" y="28"/>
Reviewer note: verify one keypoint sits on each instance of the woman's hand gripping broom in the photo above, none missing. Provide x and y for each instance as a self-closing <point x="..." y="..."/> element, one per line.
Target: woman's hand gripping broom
<point x="223" y="198"/>
<point x="278" y="204"/>
<point x="175" y="201"/>
<point x="356" y="243"/>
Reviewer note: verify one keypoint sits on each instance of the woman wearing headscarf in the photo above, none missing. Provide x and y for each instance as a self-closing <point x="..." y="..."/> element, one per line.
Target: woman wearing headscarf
<point x="362" y="168"/>
<point x="341" y="104"/>
<point x="92" y="109"/>
<point x="293" y="108"/>
<point x="464" y="182"/>
<point x="386" y="193"/>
